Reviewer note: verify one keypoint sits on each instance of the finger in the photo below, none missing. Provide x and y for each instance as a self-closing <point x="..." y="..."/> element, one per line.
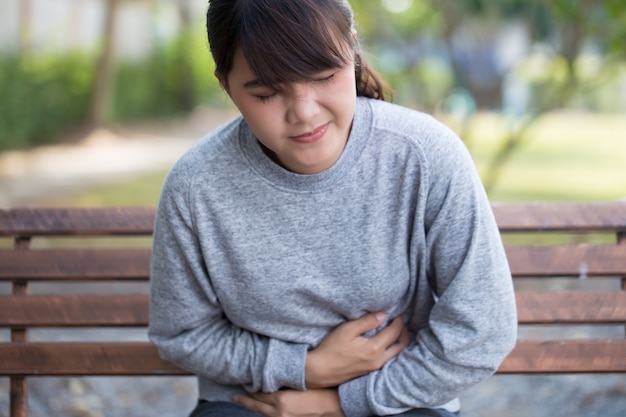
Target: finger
<point x="268" y="398"/>
<point x="255" y="405"/>
<point x="389" y="335"/>
<point x="365" y="323"/>
<point x="395" y="349"/>
<point x="405" y="337"/>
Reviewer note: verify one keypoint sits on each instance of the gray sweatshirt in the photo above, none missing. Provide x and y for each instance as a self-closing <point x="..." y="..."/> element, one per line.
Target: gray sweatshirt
<point x="253" y="265"/>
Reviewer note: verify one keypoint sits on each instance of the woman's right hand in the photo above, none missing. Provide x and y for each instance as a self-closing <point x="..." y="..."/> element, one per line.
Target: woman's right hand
<point x="345" y="353"/>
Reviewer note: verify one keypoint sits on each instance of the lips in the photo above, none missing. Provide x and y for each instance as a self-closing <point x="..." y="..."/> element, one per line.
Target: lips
<point x="312" y="136"/>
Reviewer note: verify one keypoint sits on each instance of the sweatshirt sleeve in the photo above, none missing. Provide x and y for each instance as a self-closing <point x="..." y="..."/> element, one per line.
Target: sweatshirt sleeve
<point x="472" y="325"/>
<point x="187" y="323"/>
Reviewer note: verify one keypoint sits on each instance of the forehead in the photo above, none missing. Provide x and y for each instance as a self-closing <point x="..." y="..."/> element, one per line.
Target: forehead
<point x="240" y="71"/>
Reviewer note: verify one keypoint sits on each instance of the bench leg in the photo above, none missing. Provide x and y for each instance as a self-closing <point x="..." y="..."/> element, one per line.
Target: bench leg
<point x="19" y="387"/>
<point x="621" y="240"/>
<point x="19" y="397"/>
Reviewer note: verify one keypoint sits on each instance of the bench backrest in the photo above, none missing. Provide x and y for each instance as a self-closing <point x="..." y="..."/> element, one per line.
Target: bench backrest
<point x="568" y="261"/>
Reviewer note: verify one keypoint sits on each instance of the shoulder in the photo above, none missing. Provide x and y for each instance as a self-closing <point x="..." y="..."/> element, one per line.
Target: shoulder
<point x="401" y="119"/>
<point x="443" y="160"/>
<point x="207" y="151"/>
<point x="434" y="139"/>
<point x="205" y="156"/>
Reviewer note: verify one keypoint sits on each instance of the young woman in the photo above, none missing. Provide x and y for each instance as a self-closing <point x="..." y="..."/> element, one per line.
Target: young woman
<point x="326" y="253"/>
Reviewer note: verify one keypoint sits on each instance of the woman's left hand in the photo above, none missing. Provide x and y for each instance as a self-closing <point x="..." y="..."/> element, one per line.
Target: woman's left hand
<point x="292" y="403"/>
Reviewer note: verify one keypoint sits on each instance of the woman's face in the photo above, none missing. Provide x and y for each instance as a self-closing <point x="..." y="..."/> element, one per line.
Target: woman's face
<point x="305" y="124"/>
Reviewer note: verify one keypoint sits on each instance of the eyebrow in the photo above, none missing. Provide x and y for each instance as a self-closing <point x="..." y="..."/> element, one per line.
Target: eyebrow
<point x="253" y="84"/>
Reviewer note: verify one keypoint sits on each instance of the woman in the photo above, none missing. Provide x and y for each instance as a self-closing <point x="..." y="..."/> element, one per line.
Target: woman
<point x="327" y="253"/>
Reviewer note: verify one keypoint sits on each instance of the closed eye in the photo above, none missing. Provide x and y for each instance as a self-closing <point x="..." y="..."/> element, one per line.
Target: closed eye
<point x="265" y="98"/>
<point x="325" y="80"/>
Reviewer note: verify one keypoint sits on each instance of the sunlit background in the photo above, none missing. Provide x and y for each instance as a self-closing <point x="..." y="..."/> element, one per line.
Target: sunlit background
<point x="99" y="97"/>
<point x="536" y="89"/>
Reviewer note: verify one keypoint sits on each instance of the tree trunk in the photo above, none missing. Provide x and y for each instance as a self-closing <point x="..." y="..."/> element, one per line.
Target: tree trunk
<point x="185" y="72"/>
<point x="102" y="89"/>
<point x="25" y="27"/>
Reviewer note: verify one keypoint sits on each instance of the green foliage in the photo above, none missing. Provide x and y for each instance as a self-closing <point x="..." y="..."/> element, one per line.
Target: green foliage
<point x="616" y="36"/>
<point x="41" y="96"/>
<point x="406" y="42"/>
<point x="602" y="21"/>
<point x="45" y="96"/>
<point x="173" y="79"/>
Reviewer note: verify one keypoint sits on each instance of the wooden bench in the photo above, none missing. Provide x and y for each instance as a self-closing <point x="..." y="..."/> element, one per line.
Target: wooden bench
<point x="568" y="262"/>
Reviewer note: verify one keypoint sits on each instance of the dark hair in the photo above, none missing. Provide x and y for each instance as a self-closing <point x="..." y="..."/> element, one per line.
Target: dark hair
<point x="289" y="40"/>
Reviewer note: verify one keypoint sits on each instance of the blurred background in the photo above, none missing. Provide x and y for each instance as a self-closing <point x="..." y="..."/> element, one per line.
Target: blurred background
<point x="99" y="97"/>
<point x="536" y="89"/>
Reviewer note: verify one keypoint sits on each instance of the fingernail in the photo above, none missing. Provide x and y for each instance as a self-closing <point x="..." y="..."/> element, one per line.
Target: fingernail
<point x="380" y="316"/>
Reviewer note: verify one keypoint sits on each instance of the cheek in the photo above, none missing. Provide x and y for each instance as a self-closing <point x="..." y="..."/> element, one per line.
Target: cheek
<point x="253" y="111"/>
<point x="345" y="102"/>
<point x="345" y="91"/>
<point x="347" y="78"/>
<point x="262" y="119"/>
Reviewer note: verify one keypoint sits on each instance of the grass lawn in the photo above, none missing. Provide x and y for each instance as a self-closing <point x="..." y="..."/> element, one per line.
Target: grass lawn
<point x="142" y="190"/>
<point x="566" y="156"/>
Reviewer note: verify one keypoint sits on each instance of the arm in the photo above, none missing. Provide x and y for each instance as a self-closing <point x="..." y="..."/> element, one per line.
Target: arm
<point x="189" y="327"/>
<point x="187" y="323"/>
<point x="317" y="402"/>
<point x="472" y="325"/>
<point x="345" y="354"/>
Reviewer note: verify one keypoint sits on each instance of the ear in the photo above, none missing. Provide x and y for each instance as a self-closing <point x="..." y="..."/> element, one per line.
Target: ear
<point x="221" y="80"/>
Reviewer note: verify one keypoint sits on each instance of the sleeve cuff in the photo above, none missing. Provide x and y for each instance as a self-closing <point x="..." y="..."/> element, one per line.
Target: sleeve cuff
<point x="353" y="397"/>
<point x="284" y="367"/>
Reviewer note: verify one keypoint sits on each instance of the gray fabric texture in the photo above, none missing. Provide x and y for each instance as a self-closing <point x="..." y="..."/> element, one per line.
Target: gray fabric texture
<point x="253" y="265"/>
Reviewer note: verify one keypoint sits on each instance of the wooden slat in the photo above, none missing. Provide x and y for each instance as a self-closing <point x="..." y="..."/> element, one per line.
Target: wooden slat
<point x="56" y="359"/>
<point x="568" y="216"/>
<point x="515" y="217"/>
<point x="75" y="264"/>
<point x="77" y="221"/>
<point x="571" y="307"/>
<point x="566" y="356"/>
<point x="74" y="311"/>
<point x="567" y="260"/>
<point x="141" y="358"/>
<point x="133" y="264"/>
<point x="533" y="307"/>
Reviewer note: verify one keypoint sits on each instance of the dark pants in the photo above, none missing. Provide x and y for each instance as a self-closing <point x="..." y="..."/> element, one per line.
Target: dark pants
<point x="226" y="409"/>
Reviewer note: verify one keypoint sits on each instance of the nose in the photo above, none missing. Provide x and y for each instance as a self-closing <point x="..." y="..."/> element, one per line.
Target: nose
<point x="303" y="104"/>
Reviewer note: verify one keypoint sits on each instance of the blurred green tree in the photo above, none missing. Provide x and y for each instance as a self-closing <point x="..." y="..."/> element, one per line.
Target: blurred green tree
<point x="437" y="52"/>
<point x="568" y="27"/>
<point x="443" y="55"/>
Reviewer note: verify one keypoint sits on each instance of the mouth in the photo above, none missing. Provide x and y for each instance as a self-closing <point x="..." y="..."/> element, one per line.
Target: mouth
<point x="311" y="136"/>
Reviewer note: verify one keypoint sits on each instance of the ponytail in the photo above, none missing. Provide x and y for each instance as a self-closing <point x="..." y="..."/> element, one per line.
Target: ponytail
<point x="369" y="83"/>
